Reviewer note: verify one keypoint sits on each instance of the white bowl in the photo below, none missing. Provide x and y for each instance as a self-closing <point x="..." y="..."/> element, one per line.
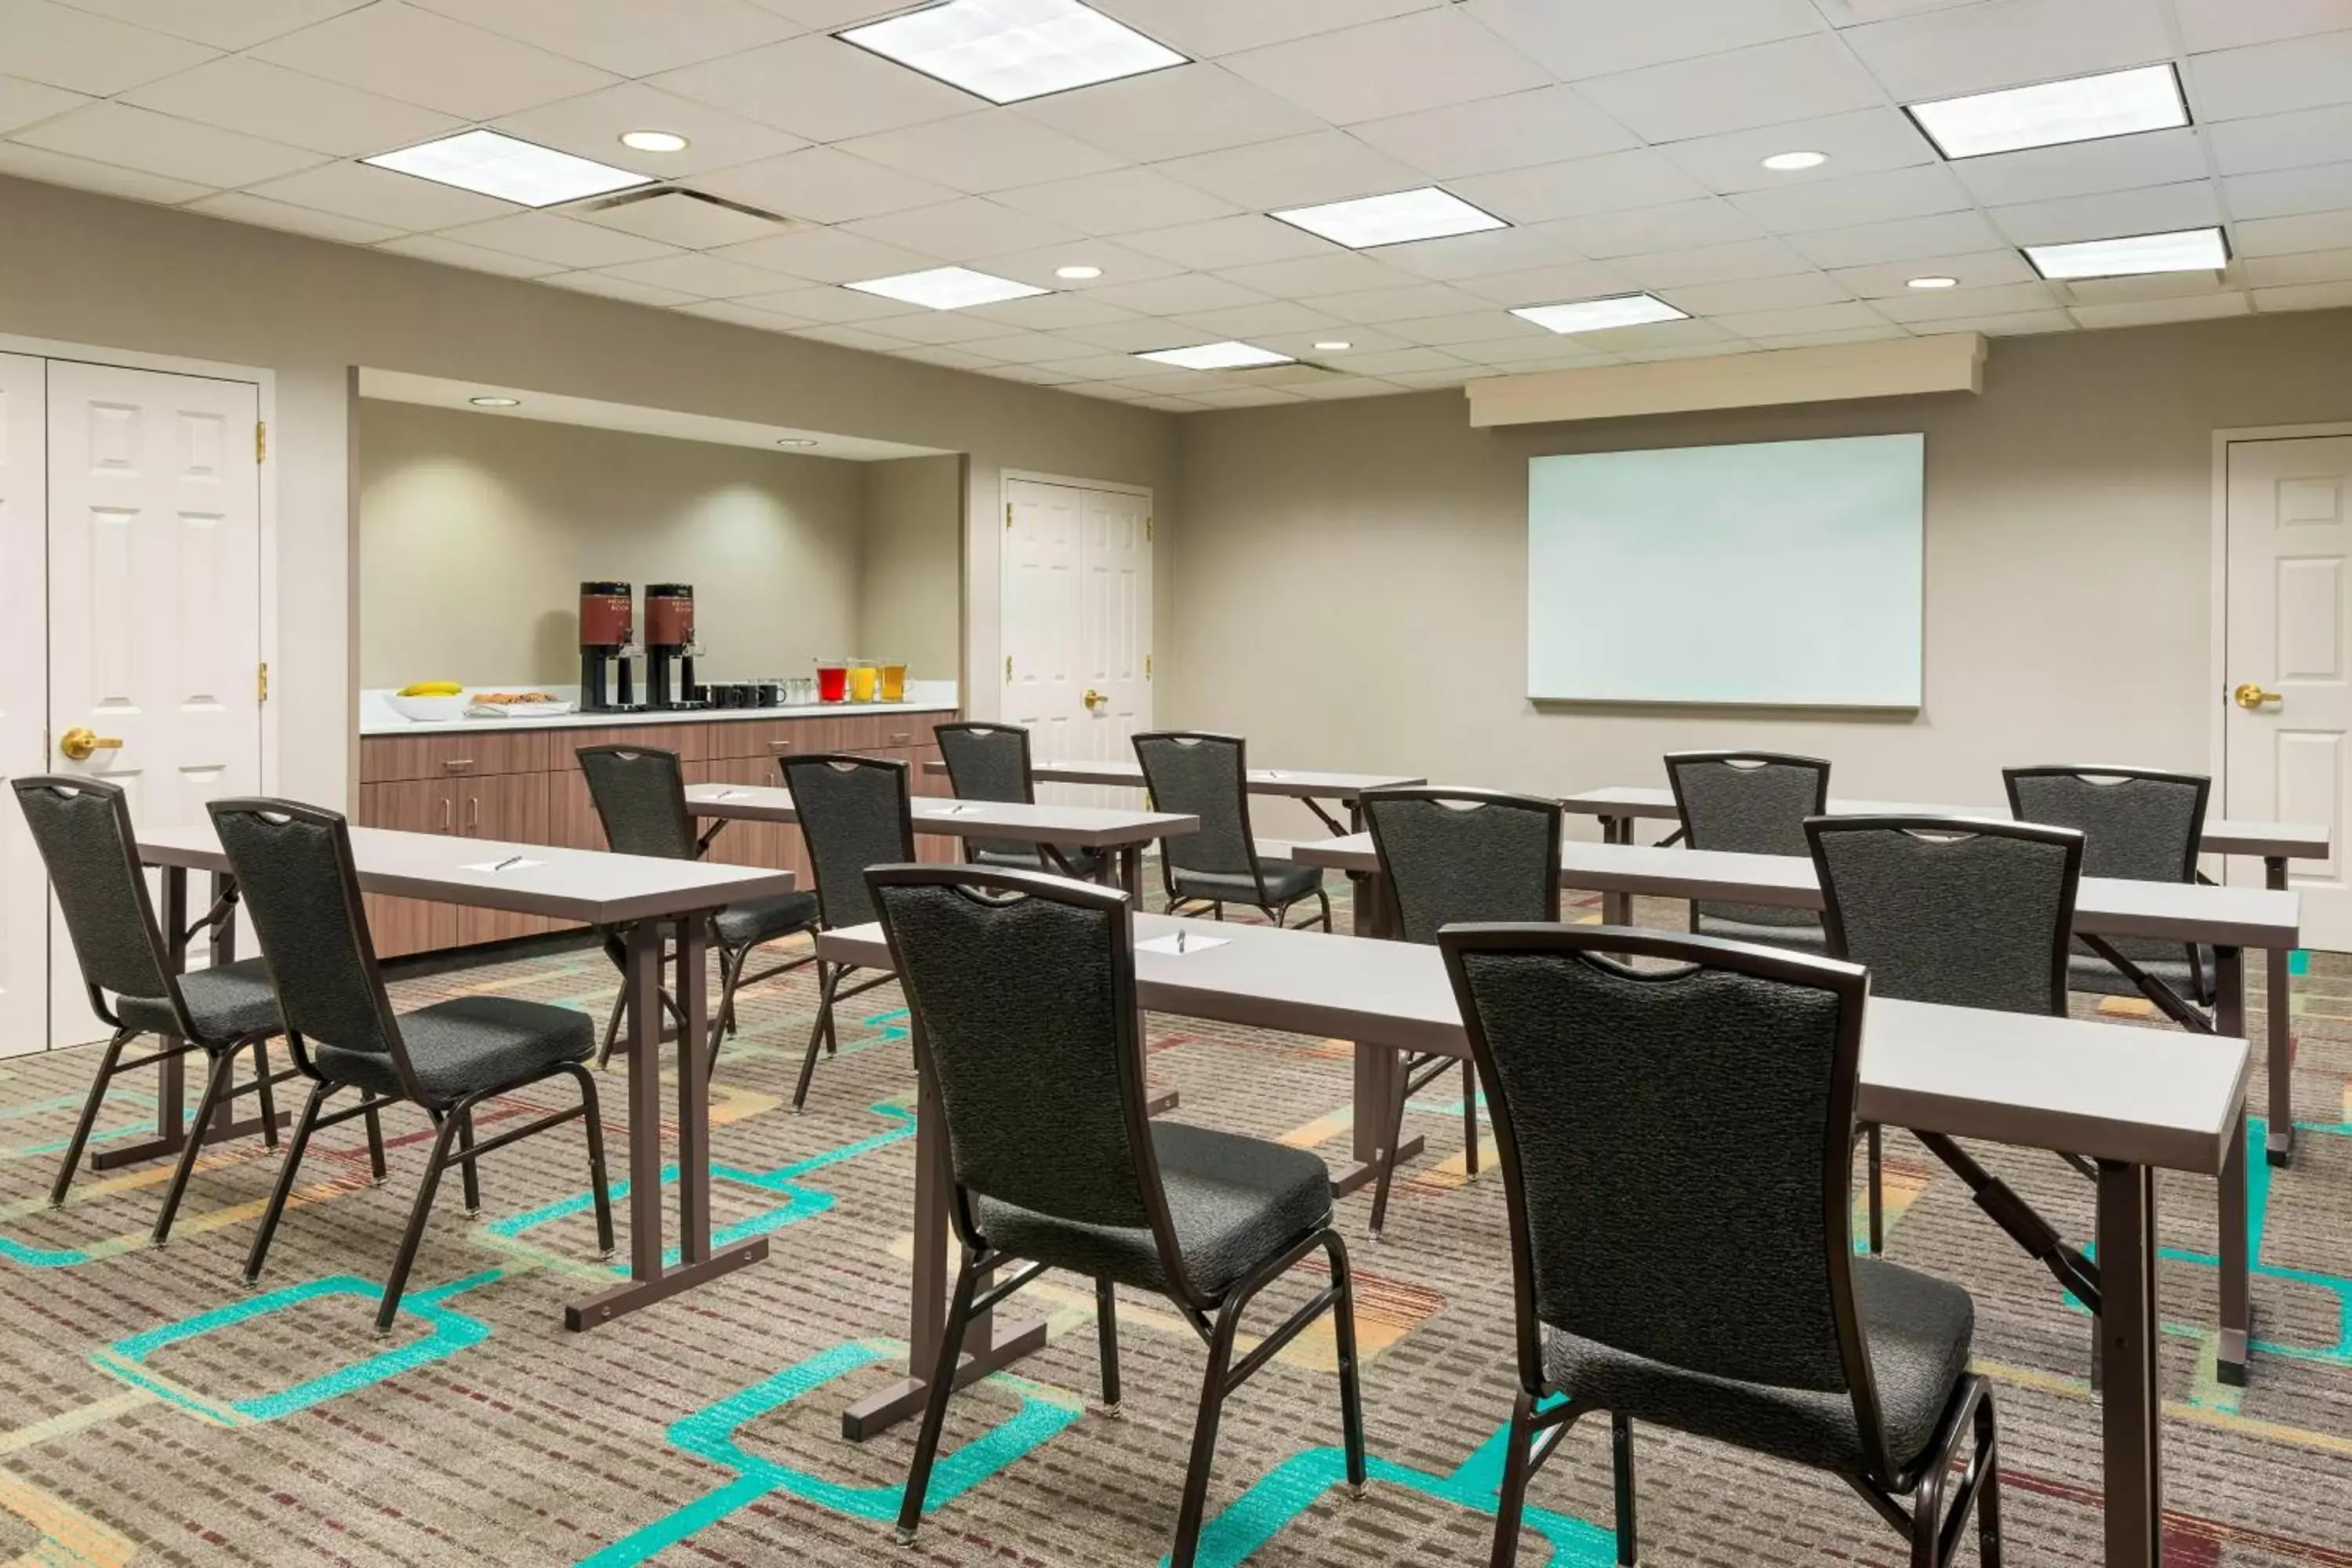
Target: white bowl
<point x="429" y="710"/>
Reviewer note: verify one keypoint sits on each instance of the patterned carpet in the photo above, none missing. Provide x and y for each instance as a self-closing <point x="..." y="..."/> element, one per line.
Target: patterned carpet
<point x="153" y="1411"/>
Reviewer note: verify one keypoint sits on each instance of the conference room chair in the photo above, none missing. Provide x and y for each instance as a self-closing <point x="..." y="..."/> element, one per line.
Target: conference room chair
<point x="1719" y="1295"/>
<point x="1968" y="913"/>
<point x="855" y="811"/>
<point x="2144" y="824"/>
<point x="640" y="797"/>
<point x="1207" y="776"/>
<point x="1750" y="803"/>
<point x="293" y="866"/>
<point x="1028" y="1038"/>
<point x="991" y="761"/>
<point x="82" y="828"/>
<point x="1451" y="856"/>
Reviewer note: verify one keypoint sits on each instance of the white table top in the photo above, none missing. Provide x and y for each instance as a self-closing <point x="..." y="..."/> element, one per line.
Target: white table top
<point x="1304" y="784"/>
<point x="1084" y="825"/>
<point x="2103" y="906"/>
<point x="2114" y="1091"/>
<point x="591" y="886"/>
<point x="2290" y="840"/>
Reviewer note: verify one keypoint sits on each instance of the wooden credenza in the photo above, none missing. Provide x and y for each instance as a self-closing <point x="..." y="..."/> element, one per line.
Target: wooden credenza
<point x="524" y="786"/>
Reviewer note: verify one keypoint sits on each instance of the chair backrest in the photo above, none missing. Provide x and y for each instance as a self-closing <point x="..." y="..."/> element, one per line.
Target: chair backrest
<point x="82" y="828"/>
<point x="989" y="762"/>
<point x="855" y="811"/>
<point x="1751" y="802"/>
<point x="2142" y="824"/>
<point x="1206" y="776"/>
<point x="1456" y="855"/>
<point x="1951" y="910"/>
<point x="1728" y="1080"/>
<point x="640" y="796"/>
<point x="1022" y="989"/>
<point x="293" y="869"/>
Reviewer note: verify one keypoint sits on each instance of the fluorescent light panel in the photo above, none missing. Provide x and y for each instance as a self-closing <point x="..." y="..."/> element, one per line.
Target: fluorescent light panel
<point x="1392" y="219"/>
<point x="947" y="287"/>
<point x="2051" y="114"/>
<point x="1217" y="356"/>
<point x="1599" y="315"/>
<point x="2182" y="250"/>
<point x="1008" y="51"/>
<point x="512" y="171"/>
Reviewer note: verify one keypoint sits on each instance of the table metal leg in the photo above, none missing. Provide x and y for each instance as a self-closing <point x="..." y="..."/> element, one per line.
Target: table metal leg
<point x="1131" y="872"/>
<point x="1376" y="1065"/>
<point x="1617" y="909"/>
<point x="693" y="1097"/>
<point x="2278" y="1022"/>
<point x="2128" y="1412"/>
<point x="2231" y="1210"/>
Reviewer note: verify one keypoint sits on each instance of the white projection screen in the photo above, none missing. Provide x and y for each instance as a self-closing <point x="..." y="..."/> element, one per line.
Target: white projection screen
<point x="1783" y="574"/>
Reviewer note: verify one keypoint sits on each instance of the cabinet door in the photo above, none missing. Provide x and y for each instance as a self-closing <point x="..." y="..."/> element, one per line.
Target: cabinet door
<point x="402" y="926"/>
<point x="512" y="808"/>
<point x="930" y="847"/>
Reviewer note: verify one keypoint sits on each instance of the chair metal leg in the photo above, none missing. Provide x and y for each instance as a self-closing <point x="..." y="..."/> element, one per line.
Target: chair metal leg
<point x="1389" y="1146"/>
<point x="1621" y="1469"/>
<point x="612" y="1027"/>
<point x="89" y="1105"/>
<point x="267" y="1092"/>
<point x="1877" y="1139"/>
<point x="295" y="1145"/>
<point x="935" y="1408"/>
<point x="1107" y="1341"/>
<point x="1470" y="1118"/>
<point x="1511" y="1502"/>
<point x="1343" y="1332"/>
<point x="414" y="1237"/>
<point x="219" y="1071"/>
<point x="731" y="973"/>
<point x="1204" y="1437"/>
<point x="828" y="979"/>
<point x="1324" y="898"/>
<point x="376" y="1165"/>
<point x="470" y="1176"/>
<point x="592" y="1118"/>
<point x="1988" y="1499"/>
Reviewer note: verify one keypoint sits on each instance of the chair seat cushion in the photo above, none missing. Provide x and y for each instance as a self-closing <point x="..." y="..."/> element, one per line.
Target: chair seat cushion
<point x="1084" y="864"/>
<point x="2089" y="972"/>
<point x="463" y="1047"/>
<point x="761" y="919"/>
<point x="1918" y="1329"/>
<point x="1809" y="938"/>
<point x="1286" y="882"/>
<point x="1237" y="1203"/>
<point x="224" y="1002"/>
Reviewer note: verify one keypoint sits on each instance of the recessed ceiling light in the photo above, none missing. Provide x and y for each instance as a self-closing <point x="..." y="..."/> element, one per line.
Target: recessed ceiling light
<point x="654" y="141"/>
<point x="1217" y="356"/>
<point x="496" y="402"/>
<point x="513" y="171"/>
<point x="1392" y="219"/>
<point x="797" y="441"/>
<point x="1333" y="346"/>
<point x="2182" y="250"/>
<point x="1007" y="50"/>
<point x="1788" y="163"/>
<point x="1078" y="274"/>
<point x="1931" y="282"/>
<point x="1598" y="315"/>
<point x="2082" y="109"/>
<point x="947" y="287"/>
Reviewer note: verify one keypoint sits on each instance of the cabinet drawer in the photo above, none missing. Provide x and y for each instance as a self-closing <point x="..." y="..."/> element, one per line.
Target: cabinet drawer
<point x="385" y="759"/>
<point x="690" y="741"/>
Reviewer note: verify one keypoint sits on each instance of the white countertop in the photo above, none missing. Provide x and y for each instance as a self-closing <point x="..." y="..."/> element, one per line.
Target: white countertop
<point x="377" y="718"/>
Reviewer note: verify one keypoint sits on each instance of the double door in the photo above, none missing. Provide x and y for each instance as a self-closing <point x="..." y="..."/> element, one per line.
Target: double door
<point x="1078" y="624"/>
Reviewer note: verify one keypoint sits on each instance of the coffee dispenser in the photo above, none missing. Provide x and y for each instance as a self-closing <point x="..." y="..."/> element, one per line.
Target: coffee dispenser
<point x="669" y="647"/>
<point x="608" y="641"/>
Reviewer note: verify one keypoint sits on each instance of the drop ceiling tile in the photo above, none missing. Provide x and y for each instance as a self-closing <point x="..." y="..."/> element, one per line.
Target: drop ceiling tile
<point x="1296" y="171"/>
<point x="1108" y="367"/>
<point x="1953" y="304"/>
<point x="826" y="306"/>
<point x="2151" y="286"/>
<point x="1048" y="312"/>
<point x="1138" y="334"/>
<point x="1346" y="386"/>
<point x="559" y="240"/>
<point x="1492" y="324"/>
<point x="829" y="256"/>
<point x="1206" y="28"/>
<point x="591" y="126"/>
<point x="1862" y="198"/>
<point x="1348" y="272"/>
<point x="1421" y="61"/>
<point x="1248" y="398"/>
<point x="59" y="47"/>
<point x="2283" y="192"/>
<point x="703" y="277"/>
<point x="379" y="195"/>
<point x="1676" y="226"/>
<point x="1033" y="375"/>
<point x="1540" y="125"/>
<point x="1022" y="348"/>
<point x="1363" y="342"/>
<point x="674" y="217"/>
<point x="239" y="93"/>
<point x="2083" y="168"/>
<point x="25" y="102"/>
<point x="2307" y="267"/>
<point x="1511" y="358"/>
<point x="2292" y="236"/>
<point x="2148" y="312"/>
<point x="1178" y="295"/>
<point x="1480" y="254"/>
<point x="1689" y="350"/>
<point x="951" y="358"/>
<point x="1171" y="113"/>
<point x="2154" y="209"/>
<point x="2281" y="141"/>
<point x="1612" y="181"/>
<point x="1389" y="362"/>
<point x="2267" y="79"/>
<point x="1549" y="284"/>
<point x="1863" y="244"/>
<point x="158" y="144"/>
<point x="829" y="15"/>
<point x="1118" y="202"/>
<point x="982" y="153"/>
<point x="1711" y="264"/>
<point x="823" y="185"/>
<point x="619" y="288"/>
<point x="401" y="52"/>
<point x="1039" y="267"/>
<point x="1790" y="291"/>
<point x="962" y="229"/>
<point x="1863" y="141"/>
<point x="243" y="207"/>
<point x="2305" y="297"/>
<point x="848" y="338"/>
<point x="1823" y="340"/>
<point x="2007" y="43"/>
<point x="818" y="89"/>
<point x="58" y="169"/>
<point x="2016" y="325"/>
<point x="1420" y="303"/>
<point x="1228" y="242"/>
<point x="1433" y="380"/>
<point x="1629" y="341"/>
<point x="2207" y="25"/>
<point x="1768" y="84"/>
<point x="626" y="37"/>
<point x="1849" y="316"/>
<point x="934" y="327"/>
<point x="1578" y="38"/>
<point x="736" y="313"/>
<point x="473" y="257"/>
<point x="1975" y="269"/>
<point x="1250" y="321"/>
<point x="223" y="24"/>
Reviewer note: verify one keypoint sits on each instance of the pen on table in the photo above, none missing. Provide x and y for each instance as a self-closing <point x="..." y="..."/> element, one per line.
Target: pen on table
<point x="509" y="860"/>
<point x="726" y="793"/>
<point x="1180" y="940"/>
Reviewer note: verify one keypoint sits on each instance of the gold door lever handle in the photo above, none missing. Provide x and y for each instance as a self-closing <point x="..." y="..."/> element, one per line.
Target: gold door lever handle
<point x="1095" y="699"/>
<point x="78" y="744"/>
<point x="2250" y="695"/>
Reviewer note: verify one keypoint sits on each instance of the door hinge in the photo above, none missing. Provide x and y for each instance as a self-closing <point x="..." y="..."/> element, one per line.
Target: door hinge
<point x="262" y="682"/>
<point x="1146" y="531"/>
<point x="1147" y="667"/>
<point x="1008" y="668"/>
<point x="1008" y="514"/>
<point x="260" y="442"/>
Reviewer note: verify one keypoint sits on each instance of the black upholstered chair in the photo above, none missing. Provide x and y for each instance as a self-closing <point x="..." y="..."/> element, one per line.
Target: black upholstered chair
<point x="991" y="761"/>
<point x="1028" y="1038"/>
<point x="1751" y="802"/>
<point x="855" y="811"/>
<point x="293" y="866"/>
<point x="1718" y="1295"/>
<point x="82" y="828"/>
<point x="1207" y="776"/>
<point x="1964" y="912"/>
<point x="1451" y="856"/>
<point x="640" y="797"/>
<point x="2142" y="825"/>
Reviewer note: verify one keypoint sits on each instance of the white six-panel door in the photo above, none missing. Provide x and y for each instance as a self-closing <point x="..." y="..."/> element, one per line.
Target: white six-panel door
<point x="1078" y="621"/>
<point x="2289" y="523"/>
<point x="1115" y="623"/>
<point x="24" y="695"/>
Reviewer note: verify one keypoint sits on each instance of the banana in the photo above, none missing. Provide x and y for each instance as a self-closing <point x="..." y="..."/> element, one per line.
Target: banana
<point x="433" y="688"/>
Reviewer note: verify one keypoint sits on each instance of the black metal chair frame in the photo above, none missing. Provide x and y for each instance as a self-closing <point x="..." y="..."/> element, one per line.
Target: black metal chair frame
<point x="452" y="1119"/>
<point x="732" y="957"/>
<point x="1216" y="1320"/>
<point x="220" y="1090"/>
<point x="1681" y="834"/>
<point x="1216" y="907"/>
<point x="1933" y="1533"/>
<point x="1054" y="854"/>
<point x="830" y="975"/>
<point x="1417" y="1072"/>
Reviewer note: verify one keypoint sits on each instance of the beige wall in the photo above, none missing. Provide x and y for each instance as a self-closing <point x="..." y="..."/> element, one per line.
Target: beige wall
<point x="1350" y="577"/>
<point x="89" y="270"/>
<point x="909" y="569"/>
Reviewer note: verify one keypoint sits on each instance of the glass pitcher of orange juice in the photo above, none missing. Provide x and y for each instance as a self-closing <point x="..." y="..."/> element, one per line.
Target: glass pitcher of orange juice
<point x="894" y="681"/>
<point x="864" y="679"/>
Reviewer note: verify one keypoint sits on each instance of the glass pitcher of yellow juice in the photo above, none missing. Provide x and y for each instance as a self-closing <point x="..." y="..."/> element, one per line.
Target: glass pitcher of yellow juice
<point x="864" y="679"/>
<point x="894" y="681"/>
